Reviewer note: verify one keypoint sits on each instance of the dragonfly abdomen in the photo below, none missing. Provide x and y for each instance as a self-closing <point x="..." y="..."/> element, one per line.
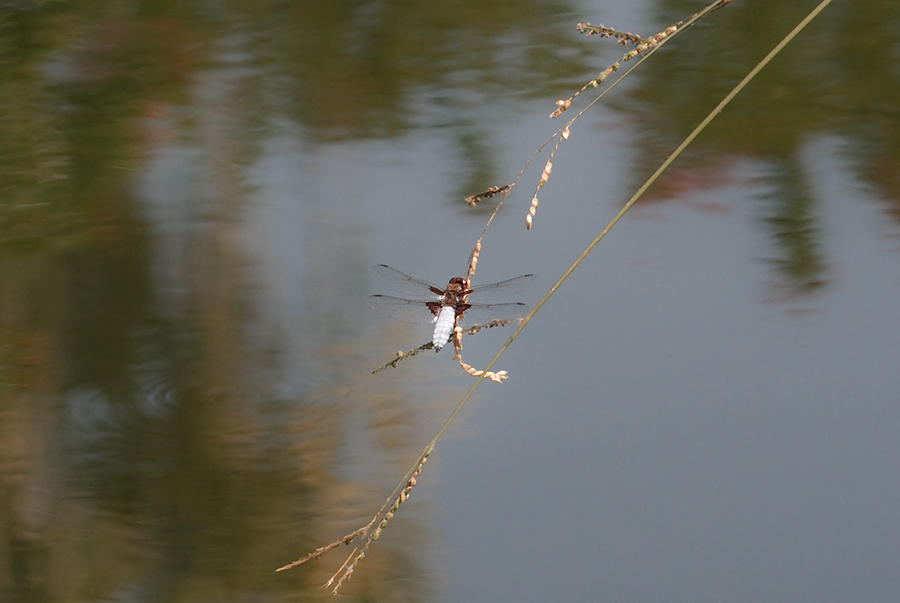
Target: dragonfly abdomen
<point x="443" y="326"/>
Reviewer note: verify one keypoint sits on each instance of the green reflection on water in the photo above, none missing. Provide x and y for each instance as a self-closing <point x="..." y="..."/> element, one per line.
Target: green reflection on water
<point x="132" y="463"/>
<point x="127" y="460"/>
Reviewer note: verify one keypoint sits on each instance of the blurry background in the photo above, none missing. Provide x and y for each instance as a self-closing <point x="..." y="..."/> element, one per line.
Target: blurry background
<point x="192" y="196"/>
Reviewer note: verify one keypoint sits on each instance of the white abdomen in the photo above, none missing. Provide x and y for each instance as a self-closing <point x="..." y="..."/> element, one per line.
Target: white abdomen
<point x="443" y="326"/>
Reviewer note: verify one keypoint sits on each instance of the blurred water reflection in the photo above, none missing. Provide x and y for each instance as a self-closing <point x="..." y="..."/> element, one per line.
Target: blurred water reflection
<point x="193" y="195"/>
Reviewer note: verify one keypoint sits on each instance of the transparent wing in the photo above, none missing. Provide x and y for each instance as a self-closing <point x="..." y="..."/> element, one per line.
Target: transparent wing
<point x="503" y="288"/>
<point x="418" y="312"/>
<point x="404" y="283"/>
<point x="484" y="313"/>
<point x="401" y="309"/>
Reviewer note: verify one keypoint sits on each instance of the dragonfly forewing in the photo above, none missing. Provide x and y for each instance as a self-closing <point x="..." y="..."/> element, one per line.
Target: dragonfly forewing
<point x="503" y="288"/>
<point x="404" y="283"/>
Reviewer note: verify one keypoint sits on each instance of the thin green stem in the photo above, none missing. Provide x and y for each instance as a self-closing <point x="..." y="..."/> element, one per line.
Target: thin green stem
<point x="637" y="195"/>
<point x="662" y="168"/>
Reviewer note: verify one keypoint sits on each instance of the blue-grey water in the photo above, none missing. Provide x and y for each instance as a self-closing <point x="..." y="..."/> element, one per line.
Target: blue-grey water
<point x="191" y="201"/>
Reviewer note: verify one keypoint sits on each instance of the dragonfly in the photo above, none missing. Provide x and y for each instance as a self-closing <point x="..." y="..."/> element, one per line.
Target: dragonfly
<point x="448" y="307"/>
